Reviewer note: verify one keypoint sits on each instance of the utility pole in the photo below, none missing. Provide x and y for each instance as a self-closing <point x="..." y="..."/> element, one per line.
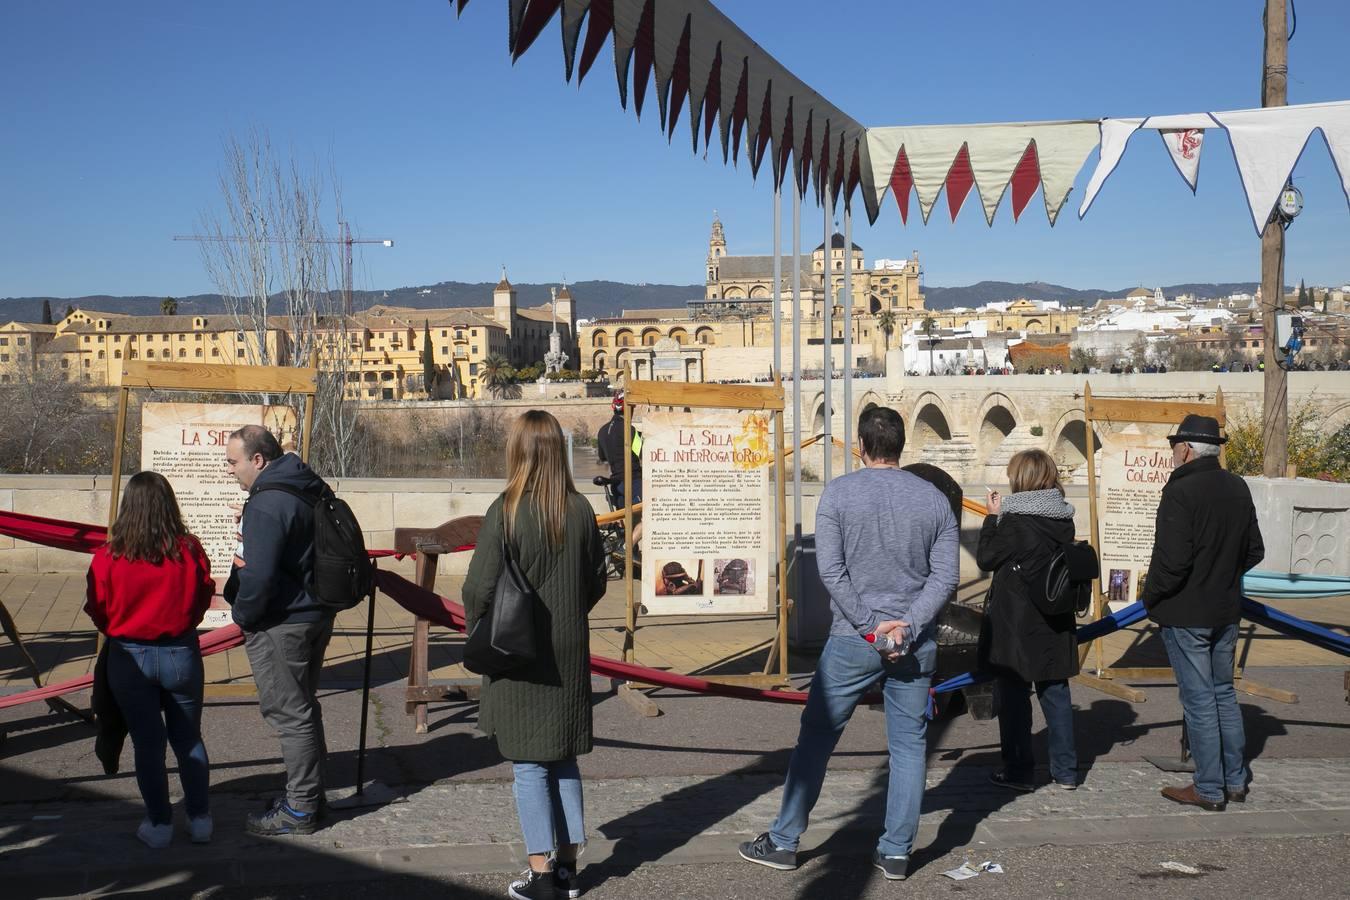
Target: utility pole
<point x="1275" y="414"/>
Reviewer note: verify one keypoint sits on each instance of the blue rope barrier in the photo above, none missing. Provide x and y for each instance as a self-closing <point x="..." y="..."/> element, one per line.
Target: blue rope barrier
<point x="1274" y="619"/>
<point x="1293" y="626"/>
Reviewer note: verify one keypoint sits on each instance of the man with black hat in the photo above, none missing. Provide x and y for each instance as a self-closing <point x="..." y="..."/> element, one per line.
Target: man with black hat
<point x="1206" y="538"/>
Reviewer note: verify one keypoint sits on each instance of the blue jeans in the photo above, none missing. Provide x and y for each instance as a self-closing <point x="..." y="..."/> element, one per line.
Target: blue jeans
<point x="1202" y="659"/>
<point x="626" y="497"/>
<point x="158" y="687"/>
<point x="848" y="669"/>
<point x="548" y="801"/>
<point x="1014" y="728"/>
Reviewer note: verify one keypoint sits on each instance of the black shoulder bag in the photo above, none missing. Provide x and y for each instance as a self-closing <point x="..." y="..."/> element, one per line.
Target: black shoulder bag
<point x="503" y="640"/>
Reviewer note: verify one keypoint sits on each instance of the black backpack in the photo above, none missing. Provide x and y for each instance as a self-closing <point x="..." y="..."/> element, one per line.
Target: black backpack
<point x="343" y="573"/>
<point x="1061" y="584"/>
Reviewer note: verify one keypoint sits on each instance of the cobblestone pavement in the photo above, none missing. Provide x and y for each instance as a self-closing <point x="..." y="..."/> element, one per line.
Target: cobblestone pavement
<point x="1250" y="868"/>
<point x="471" y="826"/>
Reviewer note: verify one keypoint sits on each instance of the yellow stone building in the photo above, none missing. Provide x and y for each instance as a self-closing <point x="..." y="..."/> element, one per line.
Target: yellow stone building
<point x="383" y="346"/>
<point x="88" y="346"/>
<point x="736" y="311"/>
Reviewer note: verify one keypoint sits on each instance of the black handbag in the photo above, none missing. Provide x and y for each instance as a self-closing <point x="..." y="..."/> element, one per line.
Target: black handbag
<point x="503" y="640"/>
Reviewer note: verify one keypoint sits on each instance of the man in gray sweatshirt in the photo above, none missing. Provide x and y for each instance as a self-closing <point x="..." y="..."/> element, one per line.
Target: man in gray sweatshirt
<point x="887" y="547"/>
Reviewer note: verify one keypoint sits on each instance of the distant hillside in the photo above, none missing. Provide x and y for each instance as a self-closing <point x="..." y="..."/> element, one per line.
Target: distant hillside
<point x="994" y="291"/>
<point x="593" y="298"/>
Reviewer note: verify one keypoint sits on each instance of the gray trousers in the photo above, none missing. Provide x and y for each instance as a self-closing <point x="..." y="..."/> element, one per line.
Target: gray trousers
<point x="286" y="660"/>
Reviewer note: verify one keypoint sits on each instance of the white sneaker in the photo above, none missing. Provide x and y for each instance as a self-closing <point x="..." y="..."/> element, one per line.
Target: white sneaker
<point x="200" y="829"/>
<point x="156" y="837"/>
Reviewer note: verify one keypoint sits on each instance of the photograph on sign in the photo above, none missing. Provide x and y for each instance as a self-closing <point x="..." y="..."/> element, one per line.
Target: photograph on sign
<point x="707" y="512"/>
<point x="1134" y="467"/>
<point x="185" y="442"/>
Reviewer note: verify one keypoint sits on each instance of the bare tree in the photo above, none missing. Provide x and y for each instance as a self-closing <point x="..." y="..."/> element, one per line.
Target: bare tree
<point x="46" y="427"/>
<point x="266" y="250"/>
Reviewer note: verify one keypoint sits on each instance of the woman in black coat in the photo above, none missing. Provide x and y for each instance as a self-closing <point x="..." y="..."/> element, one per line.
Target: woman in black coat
<point x="1021" y="643"/>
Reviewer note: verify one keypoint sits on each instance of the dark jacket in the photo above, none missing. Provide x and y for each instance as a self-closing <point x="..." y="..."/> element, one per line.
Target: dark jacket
<point x="1205" y="539"/>
<point x="609" y="446"/>
<point x="275" y="559"/>
<point x="1016" y="634"/>
<point x="542" y="713"/>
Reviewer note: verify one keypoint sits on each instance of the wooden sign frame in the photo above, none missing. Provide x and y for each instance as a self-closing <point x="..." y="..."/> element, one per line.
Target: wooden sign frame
<point x="1152" y="412"/>
<point x="205" y="378"/>
<point x="683" y="395"/>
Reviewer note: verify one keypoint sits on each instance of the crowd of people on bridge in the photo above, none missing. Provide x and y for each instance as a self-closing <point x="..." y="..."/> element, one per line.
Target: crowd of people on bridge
<point x="887" y="549"/>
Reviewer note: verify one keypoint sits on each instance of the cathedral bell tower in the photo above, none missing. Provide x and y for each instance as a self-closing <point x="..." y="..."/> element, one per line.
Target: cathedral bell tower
<point x="717" y="248"/>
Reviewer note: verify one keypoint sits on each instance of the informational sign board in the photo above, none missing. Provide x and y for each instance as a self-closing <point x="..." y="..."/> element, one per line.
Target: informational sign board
<point x="185" y="442"/>
<point x="708" y="537"/>
<point x="1134" y="467"/>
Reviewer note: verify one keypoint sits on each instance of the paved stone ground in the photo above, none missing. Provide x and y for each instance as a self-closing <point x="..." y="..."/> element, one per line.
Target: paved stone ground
<point x="471" y="827"/>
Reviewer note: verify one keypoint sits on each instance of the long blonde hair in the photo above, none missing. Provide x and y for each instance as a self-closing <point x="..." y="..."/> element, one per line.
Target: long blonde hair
<point x="1033" y="470"/>
<point x="536" y="461"/>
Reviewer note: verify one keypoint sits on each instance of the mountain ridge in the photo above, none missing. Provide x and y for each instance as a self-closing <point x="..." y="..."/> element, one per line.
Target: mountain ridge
<point x="594" y="299"/>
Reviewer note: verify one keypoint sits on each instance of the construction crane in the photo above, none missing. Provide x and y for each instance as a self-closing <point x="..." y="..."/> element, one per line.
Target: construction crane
<point x="345" y="240"/>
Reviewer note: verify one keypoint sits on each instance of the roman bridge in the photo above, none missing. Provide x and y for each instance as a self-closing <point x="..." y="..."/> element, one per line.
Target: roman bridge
<point x="971" y="425"/>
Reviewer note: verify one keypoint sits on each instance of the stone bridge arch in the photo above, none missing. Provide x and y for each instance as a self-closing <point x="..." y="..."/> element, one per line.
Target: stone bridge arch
<point x="996" y="418"/>
<point x="931" y="423"/>
<point x="1336" y="419"/>
<point x="1068" y="444"/>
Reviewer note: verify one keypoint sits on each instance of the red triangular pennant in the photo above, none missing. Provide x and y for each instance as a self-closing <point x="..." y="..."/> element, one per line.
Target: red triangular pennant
<point x="960" y="179"/>
<point x="902" y="181"/>
<point x="1025" y="179"/>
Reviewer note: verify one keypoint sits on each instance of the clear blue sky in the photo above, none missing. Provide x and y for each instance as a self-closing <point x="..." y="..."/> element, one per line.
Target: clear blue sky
<point x="114" y="115"/>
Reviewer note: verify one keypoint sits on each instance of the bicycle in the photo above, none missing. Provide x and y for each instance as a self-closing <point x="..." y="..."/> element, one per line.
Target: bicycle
<point x="612" y="533"/>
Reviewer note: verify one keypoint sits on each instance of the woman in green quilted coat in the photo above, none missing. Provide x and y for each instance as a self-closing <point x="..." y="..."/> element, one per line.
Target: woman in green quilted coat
<point x="541" y="714"/>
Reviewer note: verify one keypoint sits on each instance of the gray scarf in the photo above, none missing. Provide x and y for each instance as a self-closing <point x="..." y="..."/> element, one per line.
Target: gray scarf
<point x="1049" y="503"/>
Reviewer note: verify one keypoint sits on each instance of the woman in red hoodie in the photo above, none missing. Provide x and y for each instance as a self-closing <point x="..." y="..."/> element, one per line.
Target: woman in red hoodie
<point x="149" y="588"/>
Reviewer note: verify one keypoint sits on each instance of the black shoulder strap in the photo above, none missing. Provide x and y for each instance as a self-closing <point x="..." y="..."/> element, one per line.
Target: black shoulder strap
<point x="293" y="491"/>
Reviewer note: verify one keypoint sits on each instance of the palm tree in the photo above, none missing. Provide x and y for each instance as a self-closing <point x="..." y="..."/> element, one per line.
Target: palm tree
<point x="886" y="322"/>
<point x="498" y="375"/>
<point x="929" y="325"/>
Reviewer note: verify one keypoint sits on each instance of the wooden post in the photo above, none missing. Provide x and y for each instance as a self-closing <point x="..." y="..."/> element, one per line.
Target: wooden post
<point x="418" y="676"/>
<point x="430" y="544"/>
<point x="630" y="614"/>
<point x="115" y="490"/>
<point x="1275" y="414"/>
<point x="1090" y="444"/>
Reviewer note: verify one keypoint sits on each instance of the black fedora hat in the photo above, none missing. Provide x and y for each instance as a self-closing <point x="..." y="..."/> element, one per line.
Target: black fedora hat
<point x="1199" y="430"/>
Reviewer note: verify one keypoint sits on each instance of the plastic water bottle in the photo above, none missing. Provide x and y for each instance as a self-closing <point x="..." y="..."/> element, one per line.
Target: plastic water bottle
<point x="888" y="643"/>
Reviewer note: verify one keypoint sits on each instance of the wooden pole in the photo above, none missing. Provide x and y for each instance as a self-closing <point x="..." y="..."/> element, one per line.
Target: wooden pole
<point x="1089" y="442"/>
<point x="630" y="620"/>
<point x="115" y="491"/>
<point x="1275" y="416"/>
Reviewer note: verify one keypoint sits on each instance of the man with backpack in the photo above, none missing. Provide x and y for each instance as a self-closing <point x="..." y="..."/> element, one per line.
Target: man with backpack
<point x="286" y="625"/>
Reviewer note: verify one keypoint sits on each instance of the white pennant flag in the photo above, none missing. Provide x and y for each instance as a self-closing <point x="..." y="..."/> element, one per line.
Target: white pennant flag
<point x="1184" y="144"/>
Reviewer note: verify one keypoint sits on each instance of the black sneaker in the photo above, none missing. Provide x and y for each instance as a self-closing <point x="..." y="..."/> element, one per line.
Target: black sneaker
<point x="281" y="819"/>
<point x="532" y="885"/>
<point x="566" y="881"/>
<point x="763" y="851"/>
<point x="895" y="868"/>
<point x="1002" y="780"/>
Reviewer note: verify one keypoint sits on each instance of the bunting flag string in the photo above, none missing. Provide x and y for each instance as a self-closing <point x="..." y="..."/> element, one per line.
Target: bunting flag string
<point x="1267" y="144"/>
<point x="985" y="158"/>
<point x="697" y="61"/>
